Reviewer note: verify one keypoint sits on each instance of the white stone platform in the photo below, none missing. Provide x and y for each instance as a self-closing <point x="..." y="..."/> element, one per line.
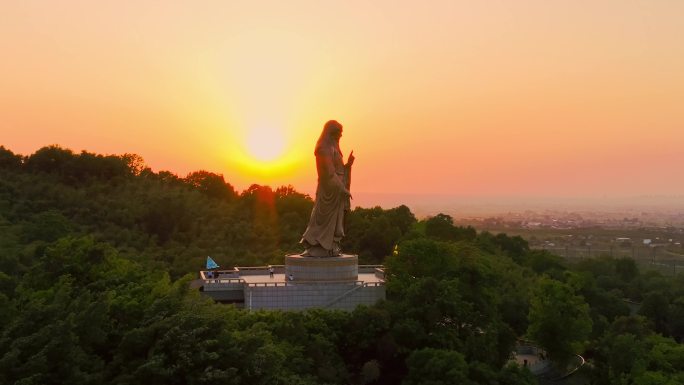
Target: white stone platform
<point x="254" y="288"/>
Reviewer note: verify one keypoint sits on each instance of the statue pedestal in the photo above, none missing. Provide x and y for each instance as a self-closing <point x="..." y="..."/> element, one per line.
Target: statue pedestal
<point x="344" y="267"/>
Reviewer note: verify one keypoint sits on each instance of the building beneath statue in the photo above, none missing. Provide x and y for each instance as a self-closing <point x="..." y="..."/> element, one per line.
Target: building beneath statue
<point x="302" y="283"/>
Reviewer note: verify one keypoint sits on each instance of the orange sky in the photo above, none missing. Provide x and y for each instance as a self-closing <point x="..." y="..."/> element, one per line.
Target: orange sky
<point x="479" y="98"/>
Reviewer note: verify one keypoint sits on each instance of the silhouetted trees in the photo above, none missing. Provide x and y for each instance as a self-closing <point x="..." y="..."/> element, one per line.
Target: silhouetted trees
<point x="211" y="184"/>
<point x="441" y="227"/>
<point x="8" y="159"/>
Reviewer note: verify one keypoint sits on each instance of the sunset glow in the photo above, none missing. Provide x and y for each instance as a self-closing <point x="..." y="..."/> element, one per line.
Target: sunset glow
<point x="265" y="159"/>
<point x="266" y="144"/>
<point x="450" y="97"/>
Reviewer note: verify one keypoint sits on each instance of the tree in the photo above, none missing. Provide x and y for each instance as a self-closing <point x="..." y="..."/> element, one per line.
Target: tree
<point x="134" y="162"/>
<point x="542" y="261"/>
<point x="51" y="159"/>
<point x="515" y="246"/>
<point x="440" y="226"/>
<point x="626" y="269"/>
<point x="164" y="215"/>
<point x="48" y="341"/>
<point x="436" y="367"/>
<point x="373" y="232"/>
<point x="423" y="258"/>
<point x="515" y="375"/>
<point x="8" y="159"/>
<point x="630" y="353"/>
<point x="293" y="209"/>
<point x="559" y="319"/>
<point x="677" y="319"/>
<point x="211" y="184"/>
<point x="47" y="226"/>
<point x="380" y="238"/>
<point x="656" y="308"/>
<point x="402" y="217"/>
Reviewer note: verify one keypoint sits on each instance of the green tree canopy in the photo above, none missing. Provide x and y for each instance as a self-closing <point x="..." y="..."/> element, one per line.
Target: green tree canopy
<point x="559" y="319"/>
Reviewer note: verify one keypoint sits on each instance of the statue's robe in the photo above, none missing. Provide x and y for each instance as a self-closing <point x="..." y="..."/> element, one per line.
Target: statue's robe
<point x="326" y="225"/>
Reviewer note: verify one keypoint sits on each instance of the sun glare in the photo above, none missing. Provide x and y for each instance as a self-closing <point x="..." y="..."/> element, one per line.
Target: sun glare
<point x="265" y="157"/>
<point x="266" y="144"/>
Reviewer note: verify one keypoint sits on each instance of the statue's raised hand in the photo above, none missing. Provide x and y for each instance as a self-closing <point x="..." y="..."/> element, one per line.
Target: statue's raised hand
<point x="350" y="160"/>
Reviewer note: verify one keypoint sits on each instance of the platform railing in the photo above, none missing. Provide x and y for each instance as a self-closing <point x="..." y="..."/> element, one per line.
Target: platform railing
<point x="213" y="284"/>
<point x="370" y="267"/>
<point x="240" y="281"/>
<point x="256" y="270"/>
<point x="351" y="291"/>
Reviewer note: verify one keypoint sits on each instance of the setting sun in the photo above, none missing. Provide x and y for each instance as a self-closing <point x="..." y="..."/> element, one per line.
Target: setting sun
<point x="266" y="144"/>
<point x="512" y="100"/>
<point x="265" y="154"/>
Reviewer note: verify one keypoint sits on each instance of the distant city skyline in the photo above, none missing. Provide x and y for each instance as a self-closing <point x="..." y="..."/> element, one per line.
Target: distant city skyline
<point x="447" y="99"/>
<point x="424" y="205"/>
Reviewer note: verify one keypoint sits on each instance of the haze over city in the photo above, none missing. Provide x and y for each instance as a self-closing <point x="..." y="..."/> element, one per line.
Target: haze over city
<point x="497" y="101"/>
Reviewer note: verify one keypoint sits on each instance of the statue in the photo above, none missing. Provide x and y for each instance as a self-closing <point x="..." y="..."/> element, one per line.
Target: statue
<point x="326" y="225"/>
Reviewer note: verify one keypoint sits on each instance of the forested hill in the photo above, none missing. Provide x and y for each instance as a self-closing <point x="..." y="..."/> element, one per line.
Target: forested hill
<point x="96" y="253"/>
<point x="162" y="217"/>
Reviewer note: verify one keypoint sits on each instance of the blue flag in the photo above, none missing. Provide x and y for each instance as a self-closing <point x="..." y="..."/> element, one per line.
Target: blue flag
<point x="211" y="264"/>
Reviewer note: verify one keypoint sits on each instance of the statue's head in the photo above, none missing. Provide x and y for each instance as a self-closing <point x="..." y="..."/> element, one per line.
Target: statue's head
<point x="332" y="129"/>
<point x="332" y="132"/>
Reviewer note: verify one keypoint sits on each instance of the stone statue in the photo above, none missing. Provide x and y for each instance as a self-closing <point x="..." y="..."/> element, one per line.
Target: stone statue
<point x="326" y="225"/>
